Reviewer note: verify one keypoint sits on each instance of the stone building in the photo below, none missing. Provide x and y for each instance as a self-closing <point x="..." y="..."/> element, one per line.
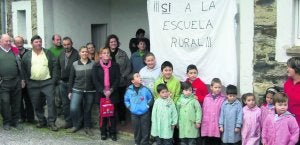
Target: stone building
<point x="268" y="30"/>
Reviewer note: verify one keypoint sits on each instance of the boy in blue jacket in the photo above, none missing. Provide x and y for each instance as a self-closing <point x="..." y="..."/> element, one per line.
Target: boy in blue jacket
<point x="138" y="100"/>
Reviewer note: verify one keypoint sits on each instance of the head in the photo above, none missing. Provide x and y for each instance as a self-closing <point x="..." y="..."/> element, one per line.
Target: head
<point x="140" y="33"/>
<point x="56" y="40"/>
<point x="215" y="86"/>
<point x="5" y="41"/>
<point x="186" y="88"/>
<point x="231" y="93"/>
<point x="112" y="42"/>
<point x="166" y="69"/>
<point x="104" y="54"/>
<point x="19" y="42"/>
<point x="141" y="44"/>
<point x="91" y="47"/>
<point x="67" y="44"/>
<point x="149" y="60"/>
<point x="136" y="79"/>
<point x="270" y="92"/>
<point x="163" y="91"/>
<point x="293" y="67"/>
<point x="83" y="52"/>
<point x="280" y="101"/>
<point x="192" y="72"/>
<point x="249" y="100"/>
<point x="36" y="42"/>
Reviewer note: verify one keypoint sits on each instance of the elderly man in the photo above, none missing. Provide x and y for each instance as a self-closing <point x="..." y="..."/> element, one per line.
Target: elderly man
<point x="39" y="72"/>
<point x="64" y="63"/>
<point x="10" y="83"/>
<point x="27" y="113"/>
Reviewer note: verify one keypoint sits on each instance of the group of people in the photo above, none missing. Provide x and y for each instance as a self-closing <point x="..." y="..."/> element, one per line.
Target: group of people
<point x="161" y="106"/>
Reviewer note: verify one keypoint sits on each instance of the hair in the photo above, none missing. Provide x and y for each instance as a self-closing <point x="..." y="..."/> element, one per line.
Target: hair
<point x="185" y="86"/>
<point x="246" y="95"/>
<point x="148" y="54"/>
<point x="166" y="64"/>
<point x="68" y="38"/>
<point x="82" y="47"/>
<point x="140" y="31"/>
<point x="90" y="43"/>
<point x="161" y="87"/>
<point x="214" y="81"/>
<point x="280" y="98"/>
<point x="131" y="76"/>
<point x="34" y="38"/>
<point x="272" y="90"/>
<point x="294" y="63"/>
<point x="19" y="37"/>
<point x="110" y="37"/>
<point x="53" y="36"/>
<point x="97" y="53"/>
<point x="231" y="89"/>
<point x="191" y="67"/>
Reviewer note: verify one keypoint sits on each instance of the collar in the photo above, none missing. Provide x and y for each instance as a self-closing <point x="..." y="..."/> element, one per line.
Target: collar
<point x="5" y="49"/>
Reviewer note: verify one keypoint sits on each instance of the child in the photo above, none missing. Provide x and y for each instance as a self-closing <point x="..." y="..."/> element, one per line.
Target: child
<point x="280" y="128"/>
<point x="167" y="78"/>
<point x="164" y="117"/>
<point x="268" y="107"/>
<point x="199" y="88"/>
<point x="189" y="115"/>
<point x="211" y="112"/>
<point x="136" y="58"/>
<point x="251" y="121"/>
<point x="138" y="99"/>
<point x="231" y="117"/>
<point x="150" y="72"/>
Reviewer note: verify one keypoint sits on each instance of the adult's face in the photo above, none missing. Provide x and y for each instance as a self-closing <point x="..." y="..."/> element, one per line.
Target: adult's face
<point x="105" y="55"/>
<point x="5" y="41"/>
<point x="83" y="53"/>
<point x="91" y="48"/>
<point x="37" y="44"/>
<point x="19" y="42"/>
<point x="67" y="44"/>
<point x="290" y="72"/>
<point x="113" y="44"/>
<point x="57" y="41"/>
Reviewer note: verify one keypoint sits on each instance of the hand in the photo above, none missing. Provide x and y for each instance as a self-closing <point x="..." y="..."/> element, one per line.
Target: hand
<point x="237" y="129"/>
<point x="196" y="97"/>
<point x="23" y="84"/>
<point x="70" y="96"/>
<point x="221" y="129"/>
<point x="197" y="125"/>
<point x="107" y="93"/>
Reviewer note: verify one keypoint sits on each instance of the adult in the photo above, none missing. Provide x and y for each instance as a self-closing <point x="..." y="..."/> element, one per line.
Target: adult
<point x="140" y="33"/>
<point x="10" y="84"/>
<point x="106" y="77"/>
<point x="39" y="72"/>
<point x="120" y="57"/>
<point x="292" y="87"/>
<point x="81" y="92"/>
<point x="56" y="47"/>
<point x="27" y="113"/>
<point x="91" y="50"/>
<point x="64" y="63"/>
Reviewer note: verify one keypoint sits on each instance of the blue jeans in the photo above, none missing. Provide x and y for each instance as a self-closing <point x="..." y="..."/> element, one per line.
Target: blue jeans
<point x="81" y="102"/>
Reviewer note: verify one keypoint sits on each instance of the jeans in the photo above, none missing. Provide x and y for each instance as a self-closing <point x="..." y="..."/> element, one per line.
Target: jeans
<point x="141" y="126"/>
<point x="161" y="141"/>
<point x="188" y="141"/>
<point x="81" y="102"/>
<point x="63" y="94"/>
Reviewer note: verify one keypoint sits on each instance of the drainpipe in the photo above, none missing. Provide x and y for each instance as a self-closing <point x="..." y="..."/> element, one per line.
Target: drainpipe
<point x="3" y="17"/>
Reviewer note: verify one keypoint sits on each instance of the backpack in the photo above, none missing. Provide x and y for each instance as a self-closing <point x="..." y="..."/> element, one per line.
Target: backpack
<point x="106" y="109"/>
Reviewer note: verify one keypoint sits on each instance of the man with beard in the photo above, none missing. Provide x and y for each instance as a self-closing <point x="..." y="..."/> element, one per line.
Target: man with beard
<point x="64" y="62"/>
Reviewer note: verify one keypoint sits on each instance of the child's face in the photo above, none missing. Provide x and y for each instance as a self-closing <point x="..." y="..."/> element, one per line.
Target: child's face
<point x="141" y="46"/>
<point x="269" y="98"/>
<point x="192" y="74"/>
<point x="250" y="101"/>
<point x="281" y="107"/>
<point x="150" y="62"/>
<point x="136" y="79"/>
<point x="167" y="72"/>
<point x="231" y="97"/>
<point x="216" y="88"/>
<point x="164" y="94"/>
<point x="187" y="92"/>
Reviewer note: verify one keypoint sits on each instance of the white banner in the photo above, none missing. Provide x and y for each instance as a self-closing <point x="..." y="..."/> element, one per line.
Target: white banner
<point x="200" y="32"/>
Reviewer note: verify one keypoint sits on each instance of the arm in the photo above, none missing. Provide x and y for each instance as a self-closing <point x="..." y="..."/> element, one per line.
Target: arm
<point x="58" y="68"/>
<point x="116" y="77"/>
<point x="71" y="79"/>
<point x="127" y="99"/>
<point x="239" y="117"/>
<point x="294" y="130"/>
<point x="174" y="115"/>
<point x="264" y="132"/>
<point x="198" y="112"/>
<point x="97" y="81"/>
<point x="150" y="100"/>
<point x="221" y="118"/>
<point x="176" y="94"/>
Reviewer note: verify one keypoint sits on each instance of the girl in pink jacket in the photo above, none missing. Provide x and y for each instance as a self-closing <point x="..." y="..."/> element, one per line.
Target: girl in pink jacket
<point x="268" y="107"/>
<point x="251" y="129"/>
<point x="211" y="111"/>
<point x="282" y="127"/>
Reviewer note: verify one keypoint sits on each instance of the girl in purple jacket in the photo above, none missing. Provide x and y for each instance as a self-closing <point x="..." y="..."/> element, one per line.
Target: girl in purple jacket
<point x="282" y="127"/>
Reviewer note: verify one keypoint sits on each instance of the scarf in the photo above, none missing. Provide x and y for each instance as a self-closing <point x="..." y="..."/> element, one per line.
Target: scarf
<point x="106" y="74"/>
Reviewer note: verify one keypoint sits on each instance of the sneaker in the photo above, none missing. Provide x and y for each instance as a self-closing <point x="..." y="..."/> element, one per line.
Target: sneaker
<point x="41" y="124"/>
<point x="6" y="127"/>
<point x="72" y="130"/>
<point x="89" y="131"/>
<point x="113" y="137"/>
<point x="103" y="137"/>
<point x="53" y="127"/>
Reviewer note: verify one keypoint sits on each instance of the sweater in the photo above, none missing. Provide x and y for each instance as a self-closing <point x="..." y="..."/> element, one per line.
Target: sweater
<point x="173" y="86"/>
<point x="293" y="92"/>
<point x="199" y="89"/>
<point x="149" y="76"/>
<point x="63" y="70"/>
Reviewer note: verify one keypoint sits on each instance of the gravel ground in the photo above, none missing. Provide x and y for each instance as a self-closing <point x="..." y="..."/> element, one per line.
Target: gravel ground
<point x="30" y="135"/>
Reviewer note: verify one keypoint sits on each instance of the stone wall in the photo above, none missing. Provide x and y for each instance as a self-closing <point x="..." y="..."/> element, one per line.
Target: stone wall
<point x="267" y="71"/>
